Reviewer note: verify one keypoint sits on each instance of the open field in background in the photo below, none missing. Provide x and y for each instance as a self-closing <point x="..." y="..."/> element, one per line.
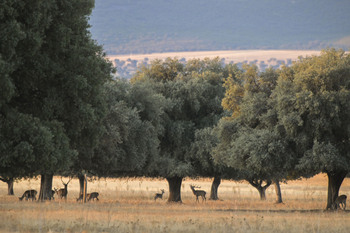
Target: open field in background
<point x="127" y="64"/>
<point x="127" y="205"/>
<point x="229" y="56"/>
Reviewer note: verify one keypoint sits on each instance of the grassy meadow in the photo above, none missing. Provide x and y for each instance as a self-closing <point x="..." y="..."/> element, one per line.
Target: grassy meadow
<point x="127" y="205"/>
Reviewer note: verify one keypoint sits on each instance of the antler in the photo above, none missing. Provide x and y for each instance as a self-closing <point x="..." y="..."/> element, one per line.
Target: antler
<point x="70" y="178"/>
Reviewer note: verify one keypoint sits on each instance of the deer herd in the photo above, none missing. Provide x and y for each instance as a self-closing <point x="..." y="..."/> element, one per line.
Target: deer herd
<point x="339" y="203"/>
<point x="61" y="193"/>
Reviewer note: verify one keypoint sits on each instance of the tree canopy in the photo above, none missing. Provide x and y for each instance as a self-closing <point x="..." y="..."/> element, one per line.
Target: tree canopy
<point x="194" y="92"/>
<point x="131" y="129"/>
<point x="313" y="105"/>
<point x="51" y="86"/>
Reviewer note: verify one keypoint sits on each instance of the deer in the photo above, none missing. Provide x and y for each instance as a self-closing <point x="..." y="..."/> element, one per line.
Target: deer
<point x="89" y="196"/>
<point x="64" y="191"/>
<point x="198" y="193"/>
<point x="29" y="194"/>
<point x="340" y="200"/>
<point x="159" y="195"/>
<point x="93" y="196"/>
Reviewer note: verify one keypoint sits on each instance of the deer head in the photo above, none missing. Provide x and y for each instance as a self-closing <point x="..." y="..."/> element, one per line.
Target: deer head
<point x="66" y="184"/>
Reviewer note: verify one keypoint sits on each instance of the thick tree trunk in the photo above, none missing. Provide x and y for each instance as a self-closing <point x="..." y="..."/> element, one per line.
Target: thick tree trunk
<point x="174" y="189"/>
<point x="81" y="183"/>
<point x="45" y="187"/>
<point x="261" y="188"/>
<point x="10" y="187"/>
<point x="276" y="183"/>
<point x="214" y="188"/>
<point x="262" y="193"/>
<point x="334" y="182"/>
<point x="9" y="182"/>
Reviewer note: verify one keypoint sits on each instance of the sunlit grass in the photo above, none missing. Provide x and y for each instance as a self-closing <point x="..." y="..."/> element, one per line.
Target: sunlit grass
<point x="127" y="205"/>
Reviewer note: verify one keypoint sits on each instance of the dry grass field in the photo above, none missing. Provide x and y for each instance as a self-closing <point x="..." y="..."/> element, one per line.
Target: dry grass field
<point x="127" y="205"/>
<point x="229" y="55"/>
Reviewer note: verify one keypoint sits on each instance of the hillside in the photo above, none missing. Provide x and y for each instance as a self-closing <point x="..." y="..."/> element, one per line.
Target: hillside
<point x="138" y="26"/>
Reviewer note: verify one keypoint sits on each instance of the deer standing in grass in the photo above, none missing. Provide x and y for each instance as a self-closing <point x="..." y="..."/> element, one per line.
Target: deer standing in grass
<point x="89" y="196"/>
<point x="93" y="196"/>
<point x="159" y="195"/>
<point x="340" y="200"/>
<point x="29" y="194"/>
<point x="198" y="193"/>
<point x="64" y="191"/>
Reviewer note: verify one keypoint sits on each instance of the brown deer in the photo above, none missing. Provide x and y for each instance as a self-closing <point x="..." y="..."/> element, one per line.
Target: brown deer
<point x="159" y="195"/>
<point x="198" y="193"/>
<point x="93" y="196"/>
<point x="64" y="191"/>
<point x="340" y="200"/>
<point x="89" y="196"/>
<point x="29" y="194"/>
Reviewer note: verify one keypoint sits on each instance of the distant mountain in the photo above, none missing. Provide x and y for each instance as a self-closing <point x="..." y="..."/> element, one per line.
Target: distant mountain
<point x="148" y="26"/>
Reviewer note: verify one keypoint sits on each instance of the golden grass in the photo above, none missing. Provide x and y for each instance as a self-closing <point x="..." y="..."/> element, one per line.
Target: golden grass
<point x="127" y="205"/>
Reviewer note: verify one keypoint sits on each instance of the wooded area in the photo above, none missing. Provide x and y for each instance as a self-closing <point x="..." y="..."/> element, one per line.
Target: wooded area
<point x="62" y="113"/>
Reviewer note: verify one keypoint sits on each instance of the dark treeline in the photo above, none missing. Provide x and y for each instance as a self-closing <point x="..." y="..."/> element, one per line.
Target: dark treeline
<point x="62" y="113"/>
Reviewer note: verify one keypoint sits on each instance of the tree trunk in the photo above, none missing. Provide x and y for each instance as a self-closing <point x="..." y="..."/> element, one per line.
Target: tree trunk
<point x="45" y="187"/>
<point x="174" y="189"/>
<point x="334" y="182"/>
<point x="214" y="188"/>
<point x="261" y="189"/>
<point x="81" y="184"/>
<point x="10" y="187"/>
<point x="276" y="183"/>
<point x="9" y="182"/>
<point x="85" y="189"/>
<point x="262" y="193"/>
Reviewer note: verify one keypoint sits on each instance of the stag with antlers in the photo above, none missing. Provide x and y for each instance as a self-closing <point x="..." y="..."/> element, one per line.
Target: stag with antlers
<point x="62" y="193"/>
<point x="198" y="193"/>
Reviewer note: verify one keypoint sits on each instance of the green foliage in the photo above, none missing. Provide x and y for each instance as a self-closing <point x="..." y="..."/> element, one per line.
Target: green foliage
<point x="201" y="149"/>
<point x="29" y="146"/>
<point x="132" y="127"/>
<point x="251" y="140"/>
<point x="260" y="153"/>
<point x="193" y="92"/>
<point x="313" y="102"/>
<point x="51" y="86"/>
